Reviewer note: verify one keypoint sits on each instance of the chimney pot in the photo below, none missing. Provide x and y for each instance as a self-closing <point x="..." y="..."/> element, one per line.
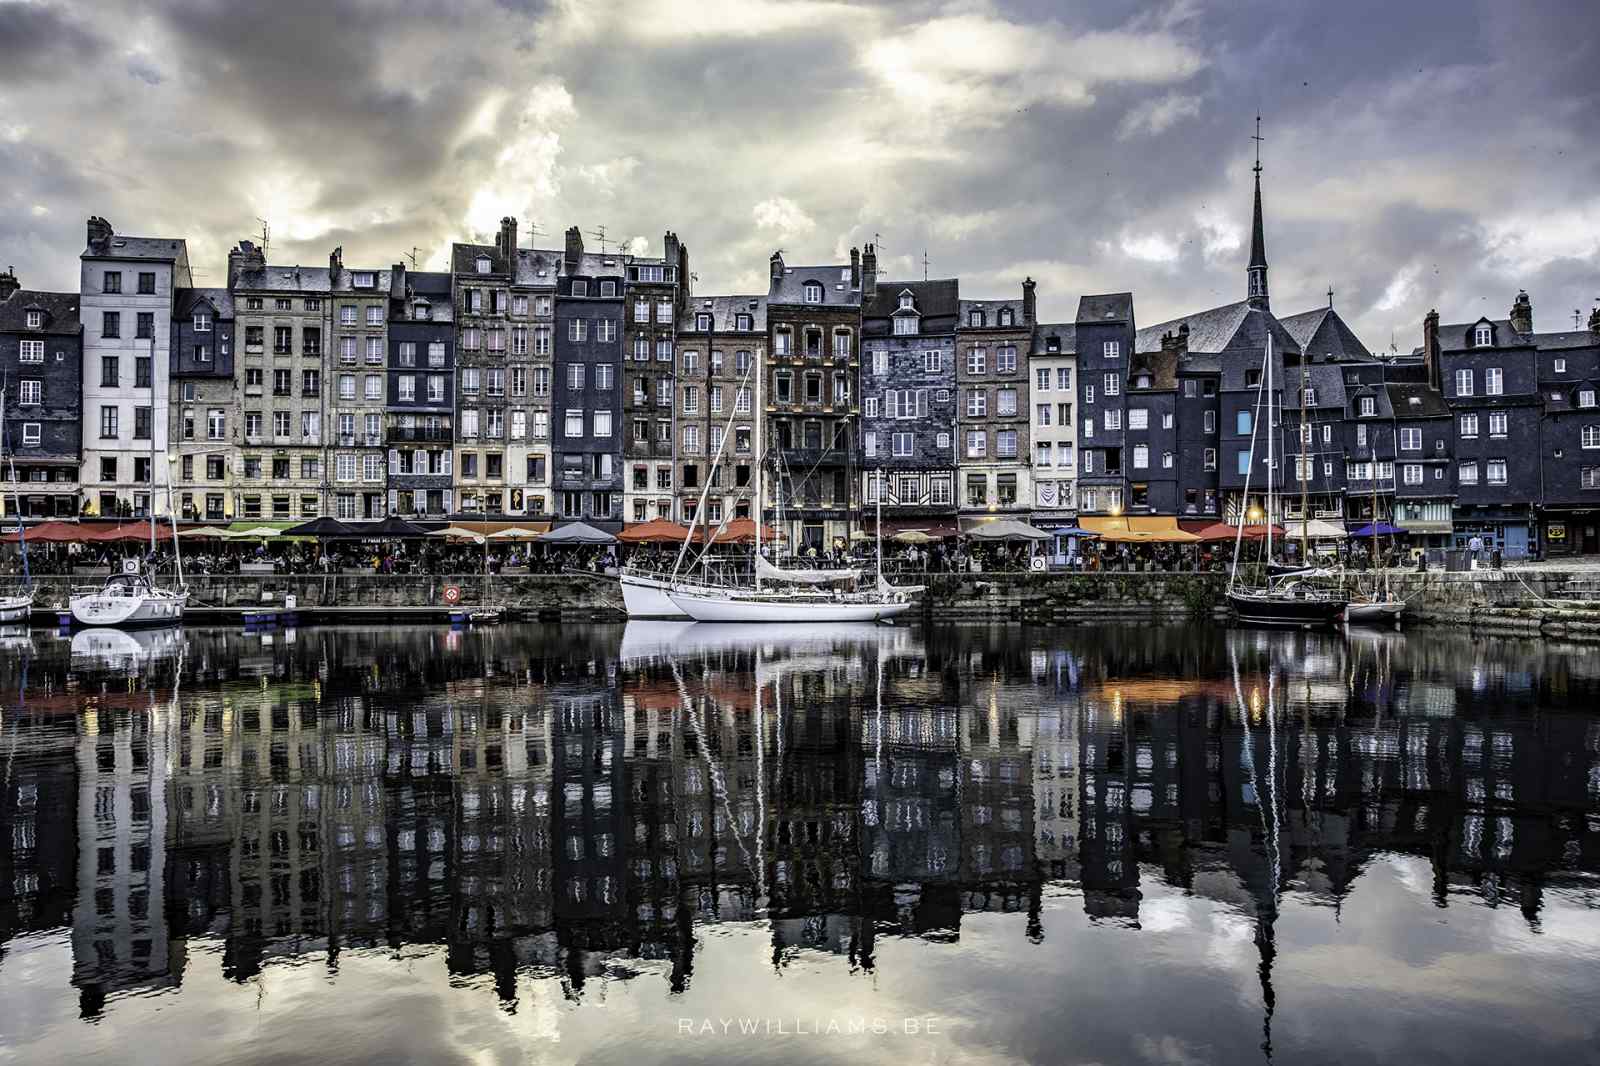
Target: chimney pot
<point x="1029" y="301"/>
<point x="1522" y="313"/>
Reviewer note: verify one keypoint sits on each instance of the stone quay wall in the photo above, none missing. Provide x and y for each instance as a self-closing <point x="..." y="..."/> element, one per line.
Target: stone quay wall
<point x="1521" y="600"/>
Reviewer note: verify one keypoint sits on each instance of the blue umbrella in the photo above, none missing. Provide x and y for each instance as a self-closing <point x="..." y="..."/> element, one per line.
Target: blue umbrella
<point x="1377" y="529"/>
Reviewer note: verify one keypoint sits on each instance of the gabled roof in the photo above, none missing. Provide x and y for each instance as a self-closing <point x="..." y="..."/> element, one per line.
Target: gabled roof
<point x="835" y="282"/>
<point x="1411" y="400"/>
<point x="723" y="310"/>
<point x="221" y="301"/>
<point x="991" y="313"/>
<point x="935" y="301"/>
<point x="60" y="312"/>
<point x="1107" y="307"/>
<point x="156" y="249"/>
<point x="1555" y="342"/>
<point x="1325" y="338"/>
<point x="1458" y="335"/>
<point x="283" y="279"/>
<point x="1227" y="328"/>
<point x="1325" y="379"/>
<point x="1067" y="332"/>
<point x="596" y="265"/>
<point x="343" y="281"/>
<point x="1378" y="391"/>
<point x="432" y="286"/>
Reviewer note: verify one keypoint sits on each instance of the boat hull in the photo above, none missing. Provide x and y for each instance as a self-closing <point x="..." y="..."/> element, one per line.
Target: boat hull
<point x="647" y="597"/>
<point x="127" y="612"/>
<point x="16" y="608"/>
<point x="1259" y="610"/>
<point x="1381" y="612"/>
<point x="707" y="608"/>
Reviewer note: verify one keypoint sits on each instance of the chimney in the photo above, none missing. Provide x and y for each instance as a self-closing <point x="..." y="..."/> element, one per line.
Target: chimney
<point x="335" y="263"/>
<point x="669" y="251"/>
<point x="9" y="283"/>
<point x="776" y="263"/>
<point x="245" y="257"/>
<point x="1594" y="320"/>
<point x="397" y="282"/>
<point x="855" y="267"/>
<point x="99" y="231"/>
<point x="1522" y="313"/>
<point x="507" y="241"/>
<point x="869" y="272"/>
<point x="1030" y="303"/>
<point x="1430" y="348"/>
<point x="574" y="249"/>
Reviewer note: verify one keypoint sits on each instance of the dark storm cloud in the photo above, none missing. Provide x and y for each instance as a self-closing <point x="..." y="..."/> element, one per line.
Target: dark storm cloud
<point x="1416" y="154"/>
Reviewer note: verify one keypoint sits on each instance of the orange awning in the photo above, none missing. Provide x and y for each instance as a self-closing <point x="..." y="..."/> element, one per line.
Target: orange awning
<point x="1138" y="529"/>
<point x="742" y="529"/>
<point x="655" y="531"/>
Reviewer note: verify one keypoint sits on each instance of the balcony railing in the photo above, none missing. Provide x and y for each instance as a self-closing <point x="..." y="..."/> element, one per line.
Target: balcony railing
<point x="418" y="435"/>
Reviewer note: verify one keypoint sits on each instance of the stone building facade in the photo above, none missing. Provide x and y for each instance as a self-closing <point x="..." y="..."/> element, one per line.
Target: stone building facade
<point x="655" y="291"/>
<point x="993" y="412"/>
<point x="530" y="370"/>
<point x="721" y="343"/>
<point x="419" y="417"/>
<point x="205" y="397"/>
<point x="357" y="393"/>
<point x="1052" y="424"/>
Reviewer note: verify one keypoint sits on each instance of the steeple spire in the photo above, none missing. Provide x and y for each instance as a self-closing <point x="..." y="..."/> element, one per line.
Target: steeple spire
<point x="1256" y="272"/>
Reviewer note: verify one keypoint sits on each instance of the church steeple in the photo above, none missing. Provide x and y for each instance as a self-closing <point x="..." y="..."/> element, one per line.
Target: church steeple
<point x="1256" y="272"/>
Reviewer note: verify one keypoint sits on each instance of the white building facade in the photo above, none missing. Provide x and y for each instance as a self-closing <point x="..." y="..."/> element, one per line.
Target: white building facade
<point x="1053" y="429"/>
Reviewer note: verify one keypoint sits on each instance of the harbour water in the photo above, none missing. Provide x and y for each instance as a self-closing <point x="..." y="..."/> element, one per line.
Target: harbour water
<point x="669" y="843"/>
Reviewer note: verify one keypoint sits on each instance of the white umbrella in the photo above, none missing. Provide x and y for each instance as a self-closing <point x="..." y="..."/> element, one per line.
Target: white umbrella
<point x="214" y="532"/>
<point x="256" y="533"/>
<point x="459" y="533"/>
<point x="515" y="533"/>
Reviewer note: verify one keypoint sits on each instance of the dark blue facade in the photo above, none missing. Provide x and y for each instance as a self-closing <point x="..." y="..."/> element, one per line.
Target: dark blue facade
<point x="420" y="396"/>
<point x="41" y="366"/>
<point x="587" y="478"/>
<point x="1105" y="329"/>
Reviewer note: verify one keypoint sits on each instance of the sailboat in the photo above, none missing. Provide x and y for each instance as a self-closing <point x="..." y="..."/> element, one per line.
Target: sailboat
<point x="1380" y="605"/>
<point x="774" y="596"/>
<point x="131" y="599"/>
<point x="16" y="606"/>
<point x="1292" y="600"/>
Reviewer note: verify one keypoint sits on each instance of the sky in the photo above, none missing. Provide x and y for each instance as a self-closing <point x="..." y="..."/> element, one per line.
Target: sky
<point x="1416" y="154"/>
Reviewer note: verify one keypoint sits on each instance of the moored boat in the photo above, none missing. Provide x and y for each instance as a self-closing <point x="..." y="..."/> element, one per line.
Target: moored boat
<point x="128" y="600"/>
<point x="728" y="605"/>
<point x="1284" y="607"/>
<point x="1378" y="610"/>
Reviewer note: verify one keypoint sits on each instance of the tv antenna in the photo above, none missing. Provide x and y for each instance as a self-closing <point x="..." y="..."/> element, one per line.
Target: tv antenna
<point x="599" y="233"/>
<point x="924" y="264"/>
<point x="266" y="234"/>
<point x="412" y="255"/>
<point x="534" y="231"/>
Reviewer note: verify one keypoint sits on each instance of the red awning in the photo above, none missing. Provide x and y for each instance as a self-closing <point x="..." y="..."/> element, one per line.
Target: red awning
<point x="129" y="531"/>
<point x="52" y="533"/>
<point x="656" y="531"/>
<point x="1220" y="531"/>
<point x="740" y="530"/>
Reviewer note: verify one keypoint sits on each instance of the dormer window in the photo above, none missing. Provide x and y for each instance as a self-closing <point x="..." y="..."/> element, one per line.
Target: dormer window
<point x="702" y="322"/>
<point x="1308" y="397"/>
<point x="905" y="325"/>
<point x="483" y="264"/>
<point x="1142" y="381"/>
<point x="1585" y="397"/>
<point x="744" y="323"/>
<point x="1005" y="316"/>
<point x="1561" y="366"/>
<point x="202" y="322"/>
<point x="1482" y="336"/>
<point x="813" y="292"/>
<point x="608" y="288"/>
<point x="422" y="310"/>
<point x="580" y="287"/>
<point x="905" y="301"/>
<point x="363" y="279"/>
<point x="35" y="319"/>
<point x="1368" y="406"/>
<point x="975" y="318"/>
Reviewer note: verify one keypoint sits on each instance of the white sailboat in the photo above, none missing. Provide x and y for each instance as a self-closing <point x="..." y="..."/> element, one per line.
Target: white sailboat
<point x="16" y="606"/>
<point x="130" y="599"/>
<point x="814" y="601"/>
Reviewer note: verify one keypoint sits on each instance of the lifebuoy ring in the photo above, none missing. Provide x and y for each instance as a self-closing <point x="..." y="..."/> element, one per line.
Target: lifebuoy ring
<point x="452" y="594"/>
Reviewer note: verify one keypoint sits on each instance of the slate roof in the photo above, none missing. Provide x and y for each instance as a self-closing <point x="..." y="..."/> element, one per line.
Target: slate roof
<point x="1325" y="338"/>
<point x="1380" y="392"/>
<point x="530" y="261"/>
<point x="183" y="301"/>
<point x="937" y="301"/>
<point x="152" y="248"/>
<point x="433" y="286"/>
<point x="991" y="310"/>
<point x="342" y="282"/>
<point x="60" y="312"/>
<point x="464" y="258"/>
<point x="1231" y="326"/>
<point x="1067" y="331"/>
<point x="596" y="265"/>
<point x="1458" y="335"/>
<point x="836" y="291"/>
<point x="723" y="309"/>
<point x="1409" y="400"/>
<point x="1161" y="366"/>
<point x="284" y="279"/>
<point x="1107" y="307"/>
<point x="1555" y="342"/>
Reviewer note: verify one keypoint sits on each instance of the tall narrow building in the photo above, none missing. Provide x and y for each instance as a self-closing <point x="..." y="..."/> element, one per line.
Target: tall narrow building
<point x="530" y="366"/>
<point x="721" y="342"/>
<point x="204" y="397"/>
<point x="587" y="400"/>
<point x="360" y="298"/>
<point x="126" y="296"/>
<point x="814" y="330"/>
<point x="420" y="411"/>
<point x="992" y="370"/>
<point x="655" y="291"/>
<point x="41" y="361"/>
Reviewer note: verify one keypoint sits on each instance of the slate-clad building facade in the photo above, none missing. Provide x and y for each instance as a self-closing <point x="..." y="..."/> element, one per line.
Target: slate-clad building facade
<point x="204" y="396"/>
<point x="654" y="291"/>
<point x="587" y="404"/>
<point x="419" y="412"/>
<point x="41" y="365"/>
<point x="1105" y="331"/>
<point x="908" y="398"/>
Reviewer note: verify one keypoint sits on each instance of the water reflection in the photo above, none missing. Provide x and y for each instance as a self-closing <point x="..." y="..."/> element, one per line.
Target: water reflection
<point x="586" y="805"/>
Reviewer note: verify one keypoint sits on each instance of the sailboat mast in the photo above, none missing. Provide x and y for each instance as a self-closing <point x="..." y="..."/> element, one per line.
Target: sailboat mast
<point x="1374" y="511"/>
<point x="1271" y="456"/>
<point x="16" y="495"/>
<point x="1302" y="471"/>
<point x="761" y="456"/>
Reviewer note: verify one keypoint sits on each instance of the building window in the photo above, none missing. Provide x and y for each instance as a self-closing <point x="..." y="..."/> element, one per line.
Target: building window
<point x="31" y="392"/>
<point x="1463" y="382"/>
<point x="905" y="325"/>
<point x="1005" y="444"/>
<point x="903" y="444"/>
<point x="1495" y="471"/>
<point x="1138" y="418"/>
<point x="977" y="444"/>
<point x="1591" y="436"/>
<point x="1368" y="406"/>
<point x="1483" y="336"/>
<point x="1469" y="425"/>
<point x="111" y="324"/>
<point x="1412" y="473"/>
<point x="1498" y="421"/>
<point x="1467" y="473"/>
<point x="1410" y="439"/>
<point x="977" y="360"/>
<point x="1493" y="381"/>
<point x="1042" y="414"/>
<point x="31" y="352"/>
<point x="813" y="292"/>
<point x="977" y="403"/>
